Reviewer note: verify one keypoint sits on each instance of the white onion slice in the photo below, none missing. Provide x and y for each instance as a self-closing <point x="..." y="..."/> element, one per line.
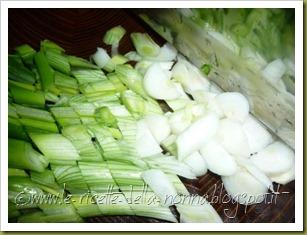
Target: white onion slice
<point x="218" y="160"/>
<point x="101" y="57"/>
<point x="234" y="105"/>
<point x="233" y="138"/>
<point x="197" y="210"/>
<point x="257" y="135"/>
<point x="244" y="188"/>
<point x="180" y="120"/>
<point x="197" y="164"/>
<point x="161" y="185"/>
<point x="285" y="177"/>
<point x="276" y="158"/>
<point x="146" y="144"/>
<point x="158" y="85"/>
<point x="167" y="53"/>
<point x="158" y="125"/>
<point x="198" y="134"/>
<point x="189" y="77"/>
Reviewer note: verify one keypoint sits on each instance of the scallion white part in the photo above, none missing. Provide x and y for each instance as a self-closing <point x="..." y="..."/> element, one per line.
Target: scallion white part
<point x="234" y="105"/>
<point x="146" y="144"/>
<point x="219" y="161"/>
<point x="101" y="57"/>
<point x="198" y="134"/>
<point x="159" y="182"/>
<point x="257" y="135"/>
<point x="158" y="85"/>
<point x="197" y="163"/>
<point x="158" y="125"/>
<point x="276" y="158"/>
<point x="233" y="138"/>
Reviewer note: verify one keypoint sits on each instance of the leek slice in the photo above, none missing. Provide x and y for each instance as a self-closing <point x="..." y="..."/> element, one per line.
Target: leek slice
<point x="144" y="45"/>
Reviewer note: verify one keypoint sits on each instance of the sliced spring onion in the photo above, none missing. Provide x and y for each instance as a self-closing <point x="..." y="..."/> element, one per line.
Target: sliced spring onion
<point x="46" y="73"/>
<point x="144" y="45"/>
<point x="113" y="36"/>
<point x="21" y="155"/>
<point x="26" y="97"/>
<point x="101" y="57"/>
<point x="58" y="61"/>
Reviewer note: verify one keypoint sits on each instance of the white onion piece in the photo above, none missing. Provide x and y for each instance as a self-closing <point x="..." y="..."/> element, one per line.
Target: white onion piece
<point x="203" y="96"/>
<point x="167" y="53"/>
<point x="285" y="177"/>
<point x="197" y="210"/>
<point x="234" y="105"/>
<point x="196" y="135"/>
<point x="160" y="185"/>
<point x="274" y="71"/>
<point x="158" y="125"/>
<point x="196" y="110"/>
<point x="143" y="65"/>
<point x="258" y="174"/>
<point x="218" y="160"/>
<point x="146" y="144"/>
<point x="180" y="120"/>
<point x="189" y="77"/>
<point x="101" y="57"/>
<point x="213" y="106"/>
<point x="257" y="135"/>
<point x="276" y="158"/>
<point x="158" y="85"/>
<point x="197" y="164"/>
<point x="244" y="188"/>
<point x="233" y="138"/>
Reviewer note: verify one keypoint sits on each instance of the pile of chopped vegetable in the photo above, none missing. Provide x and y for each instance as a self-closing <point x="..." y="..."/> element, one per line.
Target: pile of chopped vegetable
<point x="80" y="129"/>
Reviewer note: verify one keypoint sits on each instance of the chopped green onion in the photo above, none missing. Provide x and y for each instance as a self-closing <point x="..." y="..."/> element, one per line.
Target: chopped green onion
<point x="144" y="44"/>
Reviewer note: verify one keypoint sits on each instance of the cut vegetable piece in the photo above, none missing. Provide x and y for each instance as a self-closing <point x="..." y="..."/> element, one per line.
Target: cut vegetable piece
<point x="144" y="45"/>
<point x="169" y="164"/>
<point x="257" y="135"/>
<point x="158" y="85"/>
<point x="88" y="75"/>
<point x="32" y="113"/>
<point x="133" y="102"/>
<point x="49" y="45"/>
<point x="169" y="144"/>
<point x="232" y="138"/>
<point x="256" y="172"/>
<point x="285" y="177"/>
<point x="113" y="36"/>
<point x="234" y="105"/>
<point x="197" y="210"/>
<point x="26" y="52"/>
<point x="275" y="159"/>
<point x="131" y="78"/>
<point x="244" y="188"/>
<point x="218" y="160"/>
<point x="45" y="178"/>
<point x="197" y="164"/>
<point x="18" y="72"/>
<point x="17" y="172"/>
<point x="26" y="97"/>
<point x="31" y="125"/>
<point x="146" y="144"/>
<point x="133" y="56"/>
<point x="143" y="65"/>
<point x="55" y="146"/>
<point x="21" y="155"/>
<point x="180" y="120"/>
<point x="46" y="73"/>
<point x="161" y="185"/>
<point x="198" y="134"/>
<point x="101" y="57"/>
<point x="158" y="126"/>
<point x="58" y="61"/>
<point x="75" y="61"/>
<point x="167" y="53"/>
<point x="103" y="115"/>
<point x="189" y="76"/>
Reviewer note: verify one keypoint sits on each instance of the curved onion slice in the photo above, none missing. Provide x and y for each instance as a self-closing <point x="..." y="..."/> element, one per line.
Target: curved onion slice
<point x="218" y="160"/>
<point x="189" y="77"/>
<point x="158" y="85"/>
<point x="257" y="135"/>
<point x="276" y="158"/>
<point x="197" y="164"/>
<point x="244" y="188"/>
<point x="101" y="57"/>
<point x="160" y="184"/>
<point x="146" y="145"/>
<point x="285" y="177"/>
<point x="198" y="134"/>
<point x="258" y="174"/>
<point x="167" y="53"/>
<point x="179" y="120"/>
<point x="234" y="105"/>
<point x="158" y="125"/>
<point x="197" y="210"/>
<point x="233" y="138"/>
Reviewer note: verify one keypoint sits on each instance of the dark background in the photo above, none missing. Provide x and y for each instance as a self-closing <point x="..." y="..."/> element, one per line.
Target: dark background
<point x="80" y="31"/>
